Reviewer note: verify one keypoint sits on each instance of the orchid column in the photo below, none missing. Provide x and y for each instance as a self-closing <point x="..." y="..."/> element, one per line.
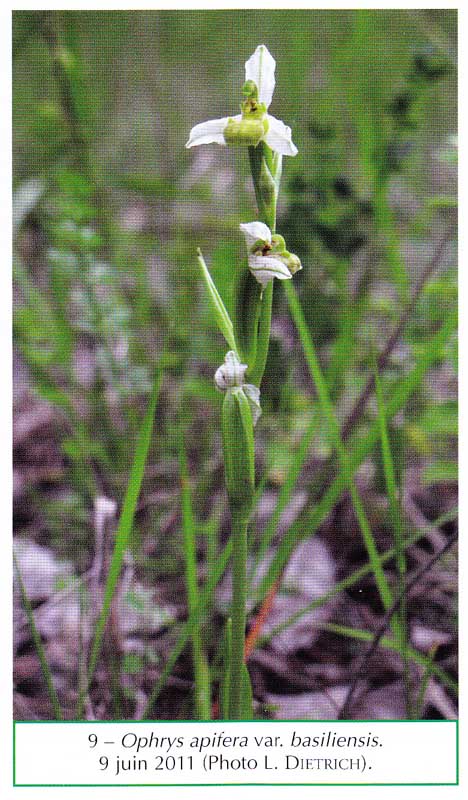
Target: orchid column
<point x="267" y="140"/>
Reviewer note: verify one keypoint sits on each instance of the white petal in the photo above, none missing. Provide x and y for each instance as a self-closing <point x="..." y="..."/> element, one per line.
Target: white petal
<point x="252" y="394"/>
<point x="260" y="68"/>
<point x="278" y="137"/>
<point x="255" y="231"/>
<point x="264" y="268"/>
<point x="231" y="373"/>
<point x="208" y="132"/>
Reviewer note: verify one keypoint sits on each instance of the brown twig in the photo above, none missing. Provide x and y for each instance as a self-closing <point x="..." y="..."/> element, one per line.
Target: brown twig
<point x="360" y="404"/>
<point x="359" y="672"/>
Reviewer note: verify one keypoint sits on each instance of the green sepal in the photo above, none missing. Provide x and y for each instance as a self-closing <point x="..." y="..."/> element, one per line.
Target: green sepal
<point x="238" y="447"/>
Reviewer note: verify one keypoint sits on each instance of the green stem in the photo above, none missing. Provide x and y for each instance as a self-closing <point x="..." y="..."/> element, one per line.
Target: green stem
<point x="238" y="439"/>
<point x="239" y="473"/>
<point x="265" y="167"/>
<point x="239" y="597"/>
<point x="263" y="335"/>
<point x="200" y="667"/>
<point x="239" y="447"/>
<point x="266" y="174"/>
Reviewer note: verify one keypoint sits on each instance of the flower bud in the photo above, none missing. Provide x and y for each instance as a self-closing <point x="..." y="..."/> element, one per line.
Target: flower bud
<point x="231" y="373"/>
<point x="250" y="89"/>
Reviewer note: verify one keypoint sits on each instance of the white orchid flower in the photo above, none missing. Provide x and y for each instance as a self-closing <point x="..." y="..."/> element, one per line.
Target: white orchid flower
<point x="231" y="375"/>
<point x="267" y="254"/>
<point x="254" y="124"/>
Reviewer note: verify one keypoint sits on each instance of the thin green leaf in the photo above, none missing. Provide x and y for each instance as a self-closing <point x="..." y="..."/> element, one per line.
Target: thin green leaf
<point x="398" y="528"/>
<point x="222" y="317"/>
<point x="124" y="528"/>
<point x="427" y="674"/>
<point x="201" y="670"/>
<point x="189" y="626"/>
<point x="238" y="449"/>
<point x="46" y="671"/>
<point x="334" y="430"/>
<point x="263" y="337"/>
<point x="359" y="448"/>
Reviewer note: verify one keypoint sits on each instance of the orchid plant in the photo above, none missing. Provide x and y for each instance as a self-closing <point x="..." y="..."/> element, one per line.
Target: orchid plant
<point x="268" y="139"/>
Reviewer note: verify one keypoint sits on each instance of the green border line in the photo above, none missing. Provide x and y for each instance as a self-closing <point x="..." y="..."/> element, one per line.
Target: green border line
<point x="14" y="753"/>
<point x="220" y="722"/>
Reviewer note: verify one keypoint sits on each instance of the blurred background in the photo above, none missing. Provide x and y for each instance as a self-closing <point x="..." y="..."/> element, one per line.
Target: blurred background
<point x="109" y="208"/>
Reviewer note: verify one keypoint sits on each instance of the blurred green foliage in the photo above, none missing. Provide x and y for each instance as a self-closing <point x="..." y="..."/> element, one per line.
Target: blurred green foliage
<point x="103" y="102"/>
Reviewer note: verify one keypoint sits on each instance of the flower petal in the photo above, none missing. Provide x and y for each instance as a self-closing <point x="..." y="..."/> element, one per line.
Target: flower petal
<point x="208" y="132"/>
<point x="252" y="394"/>
<point x="260" y="68"/>
<point x="231" y="373"/>
<point x="264" y="268"/>
<point x="255" y="231"/>
<point x="278" y="137"/>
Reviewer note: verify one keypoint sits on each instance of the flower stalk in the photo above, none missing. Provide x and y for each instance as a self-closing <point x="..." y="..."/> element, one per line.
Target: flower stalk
<point x="238" y="445"/>
<point x="267" y="140"/>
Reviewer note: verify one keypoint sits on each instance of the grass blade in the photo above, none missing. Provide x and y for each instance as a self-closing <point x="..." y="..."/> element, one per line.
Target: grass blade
<point x="222" y="317"/>
<point x="46" y="671"/>
<point x="200" y="666"/>
<point x="355" y="576"/>
<point x="397" y="525"/>
<point x="189" y="626"/>
<point x="124" y="528"/>
<point x="426" y="676"/>
<point x="247" y="694"/>
<point x="359" y="448"/>
<point x="287" y="489"/>
<point x="334" y="430"/>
